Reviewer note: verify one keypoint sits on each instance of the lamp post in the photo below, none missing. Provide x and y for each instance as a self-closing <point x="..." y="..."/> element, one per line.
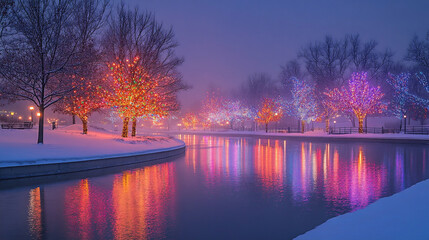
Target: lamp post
<point x="405" y="123"/>
<point x="31" y="112"/>
<point x="276" y="114"/>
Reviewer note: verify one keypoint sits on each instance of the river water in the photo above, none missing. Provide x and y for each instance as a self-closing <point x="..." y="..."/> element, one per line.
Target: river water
<point x="222" y="188"/>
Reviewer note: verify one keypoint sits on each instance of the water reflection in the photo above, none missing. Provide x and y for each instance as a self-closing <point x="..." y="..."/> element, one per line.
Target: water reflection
<point x="143" y="202"/>
<point x="35" y="213"/>
<point x="79" y="203"/>
<point x="348" y="176"/>
<point x="222" y="187"/>
<point x="139" y="205"/>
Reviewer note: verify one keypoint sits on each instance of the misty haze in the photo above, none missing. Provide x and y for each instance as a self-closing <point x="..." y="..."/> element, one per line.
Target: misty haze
<point x="214" y="119"/>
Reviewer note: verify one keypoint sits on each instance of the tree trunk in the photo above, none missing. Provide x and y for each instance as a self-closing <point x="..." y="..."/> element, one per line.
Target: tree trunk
<point x="74" y="119"/>
<point x="125" y="128"/>
<point x="360" y="125"/>
<point x="133" y="128"/>
<point x="327" y="125"/>
<point x="266" y="127"/>
<point x="302" y="126"/>
<point x="41" y="121"/>
<point x="84" y="125"/>
<point x="366" y="122"/>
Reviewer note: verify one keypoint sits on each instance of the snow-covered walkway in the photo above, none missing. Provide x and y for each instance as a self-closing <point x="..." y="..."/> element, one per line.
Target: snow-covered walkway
<point x="404" y="215"/>
<point x="412" y="138"/>
<point x="18" y="147"/>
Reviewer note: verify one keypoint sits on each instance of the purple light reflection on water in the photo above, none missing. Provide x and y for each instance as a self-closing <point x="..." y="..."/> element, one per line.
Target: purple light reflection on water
<point x="223" y="187"/>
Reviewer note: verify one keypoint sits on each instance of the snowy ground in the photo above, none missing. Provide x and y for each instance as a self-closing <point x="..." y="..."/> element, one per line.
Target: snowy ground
<point x="404" y="215"/>
<point x="317" y="134"/>
<point x="18" y="147"/>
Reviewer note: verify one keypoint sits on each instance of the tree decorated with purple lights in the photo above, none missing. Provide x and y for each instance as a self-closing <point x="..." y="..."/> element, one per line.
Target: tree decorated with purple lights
<point x="303" y="101"/>
<point x="359" y="97"/>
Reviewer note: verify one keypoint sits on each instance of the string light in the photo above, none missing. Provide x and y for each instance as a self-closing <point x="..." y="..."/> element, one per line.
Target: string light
<point x="270" y="111"/>
<point x="359" y="98"/>
<point x="401" y="98"/>
<point x="303" y="102"/>
<point x="135" y="93"/>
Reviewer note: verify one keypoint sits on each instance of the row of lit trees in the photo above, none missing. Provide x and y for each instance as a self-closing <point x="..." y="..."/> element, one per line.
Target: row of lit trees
<point x="357" y="98"/>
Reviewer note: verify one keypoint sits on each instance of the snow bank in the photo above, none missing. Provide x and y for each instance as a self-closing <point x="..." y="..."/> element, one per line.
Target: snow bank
<point x="404" y="215"/>
<point x="18" y="147"/>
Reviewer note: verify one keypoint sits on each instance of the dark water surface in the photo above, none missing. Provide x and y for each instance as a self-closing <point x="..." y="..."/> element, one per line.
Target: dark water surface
<point x="224" y="188"/>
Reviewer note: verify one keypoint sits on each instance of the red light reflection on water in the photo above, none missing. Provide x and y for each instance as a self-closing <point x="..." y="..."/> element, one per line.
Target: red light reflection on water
<point x="78" y="207"/>
<point x="35" y="213"/>
<point x="143" y="201"/>
<point x="269" y="163"/>
<point x="137" y="206"/>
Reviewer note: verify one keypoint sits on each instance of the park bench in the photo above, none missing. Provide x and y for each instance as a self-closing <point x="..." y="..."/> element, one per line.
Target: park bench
<point x="24" y="125"/>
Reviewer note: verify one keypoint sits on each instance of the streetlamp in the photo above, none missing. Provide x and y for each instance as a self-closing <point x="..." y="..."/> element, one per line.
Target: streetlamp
<point x="405" y="123"/>
<point x="31" y="112"/>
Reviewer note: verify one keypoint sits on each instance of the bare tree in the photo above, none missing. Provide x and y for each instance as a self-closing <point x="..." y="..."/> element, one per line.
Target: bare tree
<point x="88" y="70"/>
<point x="418" y="52"/>
<point x="35" y="61"/>
<point x="364" y="56"/>
<point x="288" y="71"/>
<point x="257" y="86"/>
<point x="5" y="8"/>
<point x="326" y="62"/>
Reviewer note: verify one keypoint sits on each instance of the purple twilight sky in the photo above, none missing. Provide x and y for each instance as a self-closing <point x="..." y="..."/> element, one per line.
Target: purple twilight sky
<point x="224" y="41"/>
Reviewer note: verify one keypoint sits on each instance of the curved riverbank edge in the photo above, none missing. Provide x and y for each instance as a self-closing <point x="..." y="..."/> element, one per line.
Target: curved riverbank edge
<point x="92" y="163"/>
<point x="385" y="138"/>
<point x="403" y="215"/>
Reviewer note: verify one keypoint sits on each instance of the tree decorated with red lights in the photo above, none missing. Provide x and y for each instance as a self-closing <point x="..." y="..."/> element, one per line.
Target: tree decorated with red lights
<point x="270" y="111"/>
<point x="84" y="100"/>
<point x="133" y="93"/>
<point x="143" y="65"/>
<point x="359" y="97"/>
<point x="190" y="121"/>
<point x="327" y="109"/>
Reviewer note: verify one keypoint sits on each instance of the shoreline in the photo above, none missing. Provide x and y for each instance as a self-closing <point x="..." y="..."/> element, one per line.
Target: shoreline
<point x="369" y="137"/>
<point x="55" y="167"/>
